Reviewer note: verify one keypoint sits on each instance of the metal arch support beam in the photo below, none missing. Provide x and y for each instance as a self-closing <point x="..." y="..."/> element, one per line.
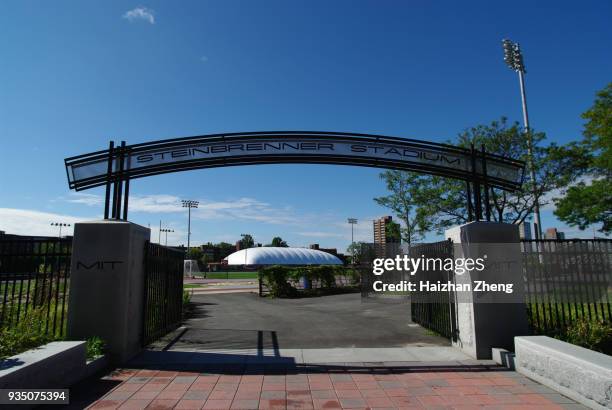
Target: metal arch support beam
<point x="278" y="147"/>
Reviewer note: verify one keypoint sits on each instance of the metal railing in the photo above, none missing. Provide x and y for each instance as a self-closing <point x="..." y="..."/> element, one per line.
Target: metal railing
<point x="34" y="283"/>
<point x="367" y="253"/>
<point x="567" y="280"/>
<point x="434" y="310"/>
<point x="163" y="305"/>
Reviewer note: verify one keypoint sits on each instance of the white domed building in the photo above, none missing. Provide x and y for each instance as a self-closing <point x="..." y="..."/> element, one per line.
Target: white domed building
<point x="281" y="256"/>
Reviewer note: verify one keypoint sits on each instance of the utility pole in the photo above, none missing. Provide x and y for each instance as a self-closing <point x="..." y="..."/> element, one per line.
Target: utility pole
<point x="352" y="222"/>
<point x="188" y="203"/>
<point x="514" y="59"/>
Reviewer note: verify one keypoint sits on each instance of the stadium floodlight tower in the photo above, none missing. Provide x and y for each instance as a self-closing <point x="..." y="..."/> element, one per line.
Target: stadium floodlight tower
<point x="166" y="231"/>
<point x="514" y="59"/>
<point x="352" y="222"/>
<point x="188" y="203"/>
<point x="60" y="224"/>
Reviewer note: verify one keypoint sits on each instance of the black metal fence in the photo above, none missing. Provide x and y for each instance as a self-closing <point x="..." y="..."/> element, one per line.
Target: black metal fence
<point x="34" y="283"/>
<point x="163" y="291"/>
<point x="434" y="310"/>
<point x="366" y="255"/>
<point x="567" y="280"/>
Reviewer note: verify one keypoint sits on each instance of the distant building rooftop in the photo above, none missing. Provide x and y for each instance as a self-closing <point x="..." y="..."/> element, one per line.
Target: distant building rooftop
<point x="281" y="256"/>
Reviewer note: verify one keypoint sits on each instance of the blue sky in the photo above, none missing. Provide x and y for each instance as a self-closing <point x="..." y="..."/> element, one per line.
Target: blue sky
<point x="76" y="74"/>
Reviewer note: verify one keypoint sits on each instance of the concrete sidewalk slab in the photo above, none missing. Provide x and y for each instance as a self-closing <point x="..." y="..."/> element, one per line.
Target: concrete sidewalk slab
<point x="214" y="291"/>
<point x="390" y="354"/>
<point x="441" y="354"/>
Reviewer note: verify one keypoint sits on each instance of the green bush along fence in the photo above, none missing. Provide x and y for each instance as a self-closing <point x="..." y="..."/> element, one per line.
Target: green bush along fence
<point x="289" y="281"/>
<point x="568" y="286"/>
<point x="567" y="280"/>
<point x="34" y="283"/>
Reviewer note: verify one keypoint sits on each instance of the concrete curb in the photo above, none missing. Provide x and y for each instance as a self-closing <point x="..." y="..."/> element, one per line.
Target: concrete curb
<point x="578" y="373"/>
<point x="54" y="365"/>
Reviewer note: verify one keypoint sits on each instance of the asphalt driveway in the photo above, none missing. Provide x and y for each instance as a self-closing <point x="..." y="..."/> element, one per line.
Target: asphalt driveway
<point x="246" y="321"/>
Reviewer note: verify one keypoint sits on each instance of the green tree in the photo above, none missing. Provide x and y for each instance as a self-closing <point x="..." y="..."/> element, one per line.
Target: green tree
<point x="205" y="260"/>
<point x="392" y="232"/>
<point x="278" y="242"/>
<point x="247" y="241"/>
<point x="401" y="186"/>
<point x="225" y="249"/>
<point x="588" y="201"/>
<point x="195" y="254"/>
<point x="356" y="249"/>
<point x="437" y="203"/>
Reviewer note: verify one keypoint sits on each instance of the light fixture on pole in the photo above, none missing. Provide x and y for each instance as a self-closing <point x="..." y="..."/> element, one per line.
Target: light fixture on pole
<point x="514" y="59"/>
<point x="352" y="222"/>
<point x="188" y="203"/>
<point x="166" y="231"/>
<point x="60" y="224"/>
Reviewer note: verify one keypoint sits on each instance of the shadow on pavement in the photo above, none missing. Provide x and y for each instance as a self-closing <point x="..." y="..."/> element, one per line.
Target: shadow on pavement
<point x="232" y="363"/>
<point x="226" y="339"/>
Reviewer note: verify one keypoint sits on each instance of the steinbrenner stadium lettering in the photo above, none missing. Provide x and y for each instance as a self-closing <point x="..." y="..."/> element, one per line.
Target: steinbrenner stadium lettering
<point x="288" y="148"/>
<point x="139" y="160"/>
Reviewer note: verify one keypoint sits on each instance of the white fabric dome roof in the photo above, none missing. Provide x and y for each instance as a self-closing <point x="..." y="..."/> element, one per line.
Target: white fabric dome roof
<point x="281" y="256"/>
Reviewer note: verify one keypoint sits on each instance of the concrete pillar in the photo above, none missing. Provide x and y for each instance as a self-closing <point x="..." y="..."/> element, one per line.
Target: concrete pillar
<point x="107" y="285"/>
<point x="493" y="319"/>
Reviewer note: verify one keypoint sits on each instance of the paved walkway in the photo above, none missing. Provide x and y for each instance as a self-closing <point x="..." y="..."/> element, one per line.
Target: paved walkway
<point x="330" y="387"/>
<point x="213" y="286"/>
<point x="239" y="351"/>
<point x="247" y="321"/>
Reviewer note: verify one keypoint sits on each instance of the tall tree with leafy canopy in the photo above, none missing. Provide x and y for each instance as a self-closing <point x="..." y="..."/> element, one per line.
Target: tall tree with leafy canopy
<point x="393" y="232"/>
<point x="360" y="252"/>
<point x="402" y="186"/>
<point x="278" y="242"/>
<point x="435" y="203"/>
<point x="588" y="201"/>
<point x="247" y="241"/>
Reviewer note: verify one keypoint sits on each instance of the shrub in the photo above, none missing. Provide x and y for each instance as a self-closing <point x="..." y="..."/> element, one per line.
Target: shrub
<point x="298" y="273"/>
<point x="591" y="331"/>
<point x="186" y="298"/>
<point x="95" y="347"/>
<point x="323" y="275"/>
<point x="322" y="279"/>
<point x="276" y="277"/>
<point x="187" y="293"/>
<point x="327" y="275"/>
<point x="354" y="275"/>
<point x="593" y="334"/>
<point x="27" y="334"/>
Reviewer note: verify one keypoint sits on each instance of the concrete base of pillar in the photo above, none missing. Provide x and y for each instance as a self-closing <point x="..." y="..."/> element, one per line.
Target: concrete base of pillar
<point x="107" y="285"/>
<point x="482" y="326"/>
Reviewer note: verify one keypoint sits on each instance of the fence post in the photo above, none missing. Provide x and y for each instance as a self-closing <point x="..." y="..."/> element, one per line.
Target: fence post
<point x="107" y="285"/>
<point x="489" y="319"/>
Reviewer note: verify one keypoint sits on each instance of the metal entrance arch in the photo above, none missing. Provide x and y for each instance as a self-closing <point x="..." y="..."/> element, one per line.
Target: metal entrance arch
<point x="117" y="165"/>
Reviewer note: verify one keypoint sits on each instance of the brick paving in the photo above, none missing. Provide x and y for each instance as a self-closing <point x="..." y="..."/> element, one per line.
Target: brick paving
<point x="329" y="388"/>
